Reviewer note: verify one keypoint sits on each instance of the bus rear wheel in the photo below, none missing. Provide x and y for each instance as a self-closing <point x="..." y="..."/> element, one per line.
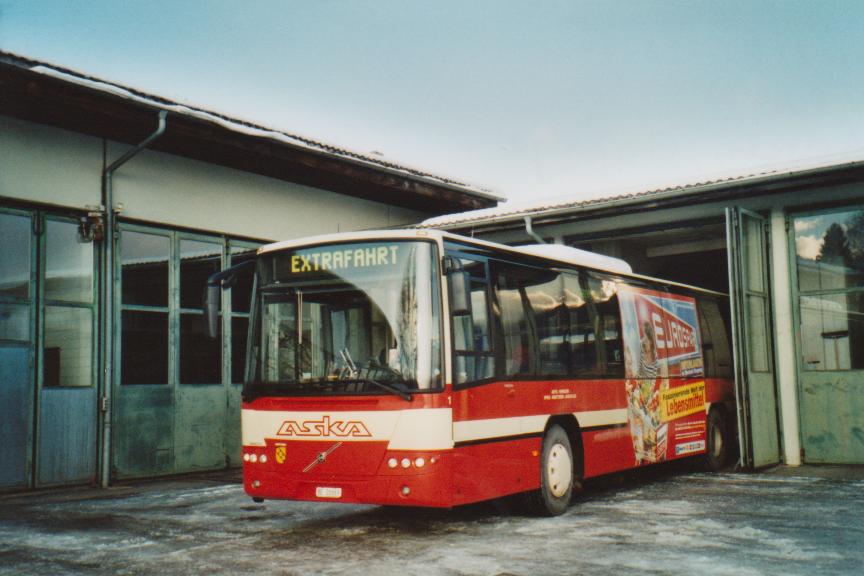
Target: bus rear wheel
<point x="717" y="445"/>
<point x="556" y="473"/>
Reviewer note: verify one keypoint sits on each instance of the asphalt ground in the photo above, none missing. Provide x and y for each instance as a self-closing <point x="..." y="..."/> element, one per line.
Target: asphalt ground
<point x="662" y="520"/>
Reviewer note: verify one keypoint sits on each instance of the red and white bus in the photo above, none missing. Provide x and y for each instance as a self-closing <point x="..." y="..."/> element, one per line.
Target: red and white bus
<point x="421" y="368"/>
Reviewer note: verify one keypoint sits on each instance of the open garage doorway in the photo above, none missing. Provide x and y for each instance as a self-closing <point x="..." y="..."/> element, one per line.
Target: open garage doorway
<point x="699" y="254"/>
<point x="693" y="253"/>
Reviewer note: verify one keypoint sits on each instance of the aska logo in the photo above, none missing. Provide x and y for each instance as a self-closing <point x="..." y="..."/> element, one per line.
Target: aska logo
<point x="324" y="427"/>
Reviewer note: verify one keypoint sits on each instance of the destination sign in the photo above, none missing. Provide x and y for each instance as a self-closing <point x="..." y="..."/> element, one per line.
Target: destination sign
<point x="342" y="258"/>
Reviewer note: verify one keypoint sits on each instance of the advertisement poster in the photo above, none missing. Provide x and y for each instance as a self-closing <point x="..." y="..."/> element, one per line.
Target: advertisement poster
<point x="663" y="371"/>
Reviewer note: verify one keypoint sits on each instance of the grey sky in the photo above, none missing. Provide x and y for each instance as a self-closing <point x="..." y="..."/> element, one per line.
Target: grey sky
<point x="530" y="99"/>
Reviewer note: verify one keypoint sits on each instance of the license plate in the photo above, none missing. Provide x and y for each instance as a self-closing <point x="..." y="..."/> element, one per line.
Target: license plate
<point x="328" y="492"/>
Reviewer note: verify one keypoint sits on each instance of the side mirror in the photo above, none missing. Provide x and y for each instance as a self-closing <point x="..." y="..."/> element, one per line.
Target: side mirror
<point x="459" y="288"/>
<point x="215" y="284"/>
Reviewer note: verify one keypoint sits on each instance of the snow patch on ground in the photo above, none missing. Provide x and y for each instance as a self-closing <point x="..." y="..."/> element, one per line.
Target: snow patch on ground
<point x="716" y="525"/>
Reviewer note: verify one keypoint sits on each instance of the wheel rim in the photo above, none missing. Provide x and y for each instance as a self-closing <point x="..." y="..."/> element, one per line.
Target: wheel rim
<point x="559" y="470"/>
<point x="717" y="437"/>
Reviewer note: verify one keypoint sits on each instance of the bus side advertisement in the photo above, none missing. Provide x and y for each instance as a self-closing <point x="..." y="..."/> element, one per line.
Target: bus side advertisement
<point x="664" y="374"/>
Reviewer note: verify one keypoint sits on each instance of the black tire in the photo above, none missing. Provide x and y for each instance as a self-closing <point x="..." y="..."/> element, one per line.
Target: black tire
<point x="557" y="473"/>
<point x="717" y="441"/>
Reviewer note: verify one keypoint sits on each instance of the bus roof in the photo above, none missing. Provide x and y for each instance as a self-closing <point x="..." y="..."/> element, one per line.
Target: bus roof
<point x="553" y="252"/>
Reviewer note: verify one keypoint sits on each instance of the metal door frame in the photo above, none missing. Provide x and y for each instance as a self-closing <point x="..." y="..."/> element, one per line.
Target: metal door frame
<point x="741" y="361"/>
<point x="42" y="303"/>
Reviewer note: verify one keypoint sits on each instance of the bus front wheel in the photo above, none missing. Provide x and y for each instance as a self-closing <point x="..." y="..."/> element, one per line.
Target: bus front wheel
<point x="556" y="473"/>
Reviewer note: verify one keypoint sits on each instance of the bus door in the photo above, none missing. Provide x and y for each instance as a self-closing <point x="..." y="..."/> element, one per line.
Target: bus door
<point x="473" y="358"/>
<point x="753" y="347"/>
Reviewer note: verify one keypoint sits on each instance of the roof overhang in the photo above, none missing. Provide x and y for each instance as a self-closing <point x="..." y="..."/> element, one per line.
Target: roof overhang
<point x="46" y="94"/>
<point x="725" y="190"/>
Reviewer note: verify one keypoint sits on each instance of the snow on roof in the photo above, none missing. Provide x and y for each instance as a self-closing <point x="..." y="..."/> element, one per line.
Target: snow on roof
<point x="238" y="125"/>
<point x="573" y="203"/>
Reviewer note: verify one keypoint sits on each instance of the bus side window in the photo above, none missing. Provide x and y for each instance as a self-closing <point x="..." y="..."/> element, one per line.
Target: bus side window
<point x="479" y="317"/>
<point x="546" y="304"/>
<point x="581" y="342"/>
<point x="709" y="358"/>
<point x="603" y="292"/>
<point x="715" y="339"/>
<point x="515" y="339"/>
<point x="531" y="329"/>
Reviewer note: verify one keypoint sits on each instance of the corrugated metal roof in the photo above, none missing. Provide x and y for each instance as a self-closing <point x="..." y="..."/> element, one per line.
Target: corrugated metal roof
<point x="488" y="216"/>
<point x="236" y="124"/>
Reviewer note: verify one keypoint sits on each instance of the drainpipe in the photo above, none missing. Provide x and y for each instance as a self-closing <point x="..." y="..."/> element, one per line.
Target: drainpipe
<point x="108" y="295"/>
<point x="529" y="228"/>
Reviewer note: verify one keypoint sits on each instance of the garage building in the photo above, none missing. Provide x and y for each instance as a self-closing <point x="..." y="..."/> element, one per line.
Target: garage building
<point x="115" y="206"/>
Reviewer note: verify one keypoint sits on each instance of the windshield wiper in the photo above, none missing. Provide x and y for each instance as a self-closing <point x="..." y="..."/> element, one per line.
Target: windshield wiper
<point x="354" y="373"/>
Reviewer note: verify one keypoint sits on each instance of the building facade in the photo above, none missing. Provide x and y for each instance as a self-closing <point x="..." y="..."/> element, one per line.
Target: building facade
<point x="789" y="249"/>
<point x="115" y="206"/>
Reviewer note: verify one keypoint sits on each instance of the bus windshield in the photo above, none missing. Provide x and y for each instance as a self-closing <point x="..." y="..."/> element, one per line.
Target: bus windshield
<point x="357" y="318"/>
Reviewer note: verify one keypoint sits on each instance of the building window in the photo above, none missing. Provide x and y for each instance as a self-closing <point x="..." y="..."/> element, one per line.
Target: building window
<point x="144" y="343"/>
<point x="145" y="261"/>
<point x="68" y="346"/>
<point x="145" y="264"/>
<point x="829" y="251"/>
<point x="15" y="264"/>
<point x="163" y="279"/>
<point x="15" y="230"/>
<point x="69" y="316"/>
<point x="200" y="356"/>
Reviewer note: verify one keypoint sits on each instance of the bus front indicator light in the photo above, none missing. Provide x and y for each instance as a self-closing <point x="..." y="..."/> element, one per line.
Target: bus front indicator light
<point x="419" y="462"/>
<point x="406" y="463"/>
<point x="406" y="490"/>
<point x="263" y="459"/>
<point x="392" y="462"/>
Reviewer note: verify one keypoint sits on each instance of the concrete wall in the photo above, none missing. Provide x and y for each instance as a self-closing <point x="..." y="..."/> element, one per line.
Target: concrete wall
<point x="39" y="163"/>
<point x="172" y="190"/>
<point x="43" y="164"/>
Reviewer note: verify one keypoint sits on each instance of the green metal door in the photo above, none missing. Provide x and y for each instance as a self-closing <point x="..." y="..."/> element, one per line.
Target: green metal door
<point x="68" y="414"/>
<point x="143" y="441"/>
<point x="177" y="394"/>
<point x="829" y="307"/>
<point x="200" y="408"/>
<point x="48" y="384"/>
<point x="17" y="351"/>
<point x="749" y="289"/>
